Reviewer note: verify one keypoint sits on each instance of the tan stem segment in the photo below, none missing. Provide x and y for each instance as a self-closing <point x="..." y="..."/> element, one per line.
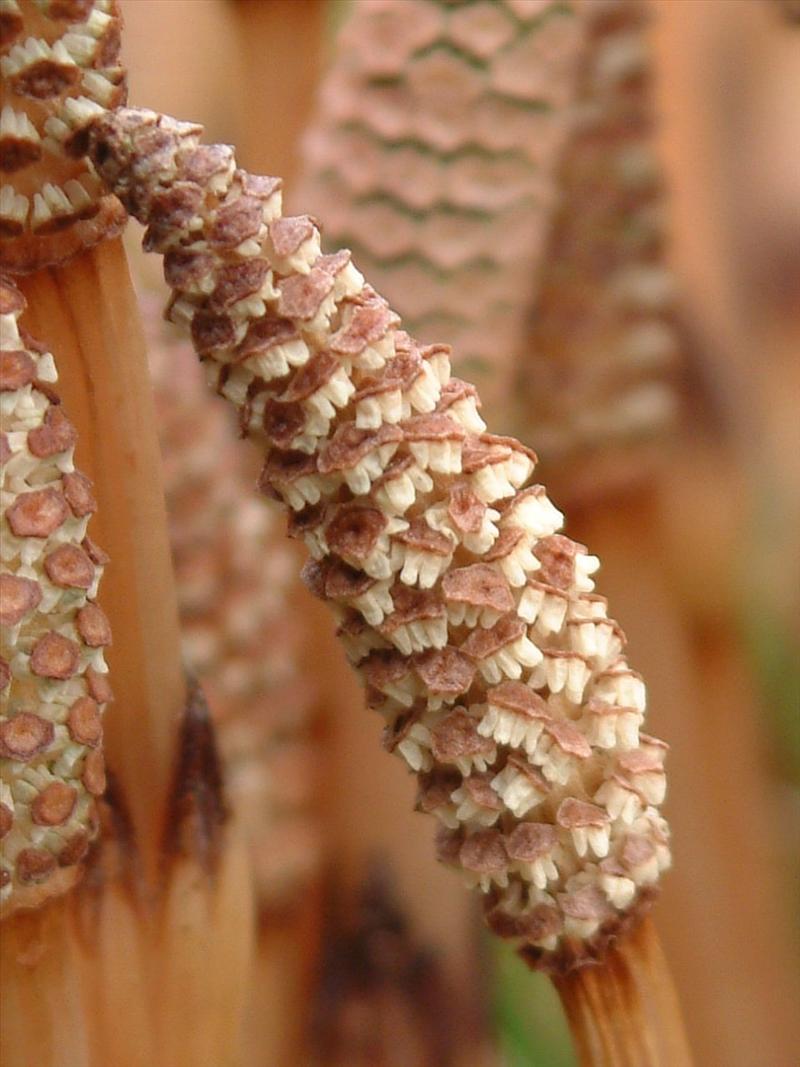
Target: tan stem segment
<point x="86" y="313"/>
<point x="292" y="35"/>
<point x="625" y="1013"/>
<point x="441" y="915"/>
<point x="114" y="975"/>
<point x="42" y="1015"/>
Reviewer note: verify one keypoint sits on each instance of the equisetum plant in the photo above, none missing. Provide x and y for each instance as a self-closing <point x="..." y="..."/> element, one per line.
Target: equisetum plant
<point x="52" y="671"/>
<point x="471" y="620"/>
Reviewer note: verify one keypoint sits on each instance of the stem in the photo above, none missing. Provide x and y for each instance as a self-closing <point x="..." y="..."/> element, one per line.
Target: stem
<point x="293" y="37"/>
<point x="625" y="1012"/>
<point x="42" y="1018"/>
<point x="443" y="916"/>
<point x="203" y="934"/>
<point x="86" y="313"/>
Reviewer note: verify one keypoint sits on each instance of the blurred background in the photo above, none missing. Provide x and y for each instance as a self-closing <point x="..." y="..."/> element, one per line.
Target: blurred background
<point x="601" y="211"/>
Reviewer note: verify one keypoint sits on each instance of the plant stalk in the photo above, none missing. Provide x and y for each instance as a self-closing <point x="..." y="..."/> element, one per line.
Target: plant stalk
<point x="625" y="1012"/>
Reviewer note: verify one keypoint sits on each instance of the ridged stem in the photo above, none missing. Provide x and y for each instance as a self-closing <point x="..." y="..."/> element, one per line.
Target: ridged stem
<point x="122" y="973"/>
<point x="292" y="35"/>
<point x="42" y="1019"/>
<point x="625" y="1012"/>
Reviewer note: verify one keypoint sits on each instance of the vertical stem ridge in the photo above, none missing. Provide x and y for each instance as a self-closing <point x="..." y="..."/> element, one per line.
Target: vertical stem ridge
<point x="625" y="1012"/>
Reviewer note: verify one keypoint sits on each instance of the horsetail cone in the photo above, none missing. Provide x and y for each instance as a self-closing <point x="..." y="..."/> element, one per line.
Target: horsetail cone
<point x="492" y="223"/>
<point x="53" y="683"/>
<point x="59" y="66"/>
<point x="433" y="155"/>
<point x="599" y="377"/>
<point x="471" y="620"/>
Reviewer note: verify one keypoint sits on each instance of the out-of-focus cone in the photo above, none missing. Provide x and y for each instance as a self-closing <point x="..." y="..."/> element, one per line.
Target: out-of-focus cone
<point x="433" y="156"/>
<point x="599" y="366"/>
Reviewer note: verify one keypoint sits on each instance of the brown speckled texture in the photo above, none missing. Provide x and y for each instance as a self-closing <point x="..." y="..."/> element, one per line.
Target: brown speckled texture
<point x="59" y="66"/>
<point x="433" y="155"/>
<point x="52" y="631"/>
